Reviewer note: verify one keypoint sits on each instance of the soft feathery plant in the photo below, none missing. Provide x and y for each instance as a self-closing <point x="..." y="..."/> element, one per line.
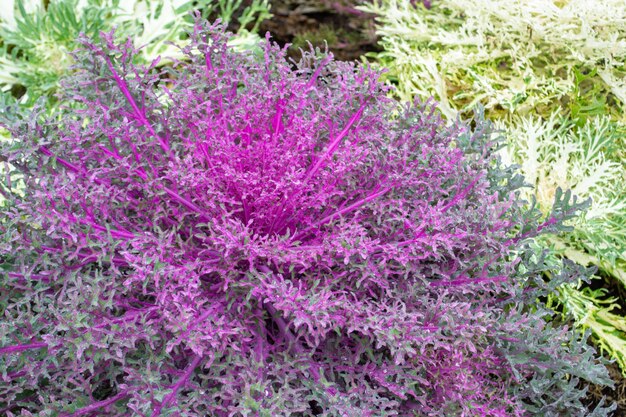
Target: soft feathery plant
<point x="551" y="73"/>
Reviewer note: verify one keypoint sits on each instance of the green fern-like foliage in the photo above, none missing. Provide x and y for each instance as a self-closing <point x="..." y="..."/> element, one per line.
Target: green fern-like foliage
<point x="551" y="74"/>
<point x="37" y="39"/>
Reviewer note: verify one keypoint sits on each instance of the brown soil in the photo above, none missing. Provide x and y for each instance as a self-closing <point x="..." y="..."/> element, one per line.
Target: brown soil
<point x="348" y="32"/>
<point x="617" y="395"/>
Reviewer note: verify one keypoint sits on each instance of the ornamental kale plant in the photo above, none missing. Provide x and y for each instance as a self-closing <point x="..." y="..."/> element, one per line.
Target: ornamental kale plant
<point x="237" y="236"/>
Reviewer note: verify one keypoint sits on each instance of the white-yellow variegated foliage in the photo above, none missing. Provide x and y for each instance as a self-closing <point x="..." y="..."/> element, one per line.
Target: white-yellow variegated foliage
<point x="505" y="54"/>
<point x="552" y="75"/>
<point x="553" y="153"/>
<point x="593" y="310"/>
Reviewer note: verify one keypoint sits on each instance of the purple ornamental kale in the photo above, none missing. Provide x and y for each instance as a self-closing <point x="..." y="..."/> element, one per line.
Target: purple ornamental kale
<point x="234" y="236"/>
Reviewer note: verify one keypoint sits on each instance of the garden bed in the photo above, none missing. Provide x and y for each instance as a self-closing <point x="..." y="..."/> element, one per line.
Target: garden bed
<point x="472" y="341"/>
